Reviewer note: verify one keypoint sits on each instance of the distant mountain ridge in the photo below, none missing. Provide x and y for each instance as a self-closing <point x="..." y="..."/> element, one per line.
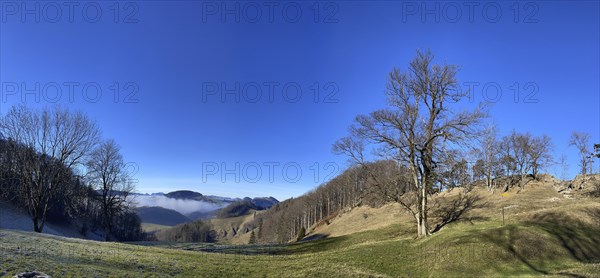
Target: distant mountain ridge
<point x="182" y="206"/>
<point x="197" y="196"/>
<point x="245" y="205"/>
<point x="264" y="202"/>
<point x="185" y="194"/>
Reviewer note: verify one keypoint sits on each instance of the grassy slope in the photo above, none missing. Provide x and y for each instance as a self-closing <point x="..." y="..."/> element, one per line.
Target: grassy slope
<point x="541" y="237"/>
<point x="151" y="227"/>
<point x="221" y="225"/>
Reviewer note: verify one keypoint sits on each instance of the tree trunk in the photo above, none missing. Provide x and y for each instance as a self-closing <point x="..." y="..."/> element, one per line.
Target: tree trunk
<point x="506" y="186"/>
<point x="36" y="227"/>
<point x="419" y="230"/>
<point x="522" y="182"/>
<point x="107" y="220"/>
<point x="424" y="227"/>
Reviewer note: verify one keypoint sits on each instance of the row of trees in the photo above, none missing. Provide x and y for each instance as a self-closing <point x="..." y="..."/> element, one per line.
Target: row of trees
<point x="55" y="163"/>
<point x="520" y="154"/>
<point x="515" y="156"/>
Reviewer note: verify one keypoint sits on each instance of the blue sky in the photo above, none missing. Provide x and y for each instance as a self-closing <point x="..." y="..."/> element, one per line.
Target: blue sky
<point x="173" y="62"/>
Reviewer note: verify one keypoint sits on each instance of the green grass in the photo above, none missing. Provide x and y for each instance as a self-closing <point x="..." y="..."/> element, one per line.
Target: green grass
<point x="462" y="250"/>
<point x="151" y="227"/>
<point x="558" y="241"/>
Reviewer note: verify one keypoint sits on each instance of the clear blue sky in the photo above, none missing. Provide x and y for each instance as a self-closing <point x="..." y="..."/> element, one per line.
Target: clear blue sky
<point x="174" y="53"/>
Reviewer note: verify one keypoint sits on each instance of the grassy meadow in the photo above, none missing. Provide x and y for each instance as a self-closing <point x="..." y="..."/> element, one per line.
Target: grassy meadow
<point x="560" y="239"/>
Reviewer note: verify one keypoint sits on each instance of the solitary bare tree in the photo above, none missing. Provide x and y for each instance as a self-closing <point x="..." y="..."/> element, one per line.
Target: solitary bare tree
<point x="417" y="125"/>
<point x="46" y="145"/>
<point x="581" y="140"/>
<point x="564" y="167"/>
<point x="108" y="175"/>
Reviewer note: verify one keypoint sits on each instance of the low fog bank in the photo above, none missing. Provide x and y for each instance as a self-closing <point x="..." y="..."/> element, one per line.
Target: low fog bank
<point x="184" y="207"/>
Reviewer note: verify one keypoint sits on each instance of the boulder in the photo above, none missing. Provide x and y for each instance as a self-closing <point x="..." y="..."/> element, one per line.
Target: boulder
<point x="32" y="274"/>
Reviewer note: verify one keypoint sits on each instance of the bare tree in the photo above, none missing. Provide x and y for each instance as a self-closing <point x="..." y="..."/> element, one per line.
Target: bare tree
<point x="517" y="149"/>
<point x="415" y="125"/>
<point x="489" y="154"/>
<point x="8" y="178"/>
<point x="540" y="153"/>
<point x="47" y="145"/>
<point x="564" y="167"/>
<point x="507" y="160"/>
<point x="521" y="146"/>
<point x="108" y="175"/>
<point x="521" y="154"/>
<point x="581" y="140"/>
<point x="478" y="170"/>
<point x="453" y="170"/>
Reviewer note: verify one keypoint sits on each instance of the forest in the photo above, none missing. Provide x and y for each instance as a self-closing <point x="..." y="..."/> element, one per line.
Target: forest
<point x="55" y="166"/>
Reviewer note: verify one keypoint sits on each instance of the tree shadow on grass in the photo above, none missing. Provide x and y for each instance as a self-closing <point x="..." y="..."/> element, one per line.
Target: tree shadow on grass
<point x="319" y="243"/>
<point x="313" y="237"/>
<point x="508" y="238"/>
<point x="533" y="248"/>
<point x="448" y="210"/>
<point x="582" y="240"/>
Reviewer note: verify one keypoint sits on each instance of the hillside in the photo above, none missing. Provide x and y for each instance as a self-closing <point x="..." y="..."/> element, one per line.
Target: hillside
<point x="544" y="196"/>
<point x="545" y="233"/>
<point x="547" y="230"/>
<point x="16" y="219"/>
<point x="160" y="216"/>
<point x="201" y="215"/>
<point x="233" y="229"/>
<point x="229" y="222"/>
<point x="264" y="202"/>
<point x="245" y="206"/>
<point x="539" y="197"/>
<point x="237" y="208"/>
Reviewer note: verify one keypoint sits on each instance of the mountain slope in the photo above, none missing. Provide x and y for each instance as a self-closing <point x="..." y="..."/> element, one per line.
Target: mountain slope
<point x="245" y="206"/>
<point x="457" y="205"/>
<point x="161" y="216"/>
<point x="17" y="219"/>
<point x="185" y="194"/>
